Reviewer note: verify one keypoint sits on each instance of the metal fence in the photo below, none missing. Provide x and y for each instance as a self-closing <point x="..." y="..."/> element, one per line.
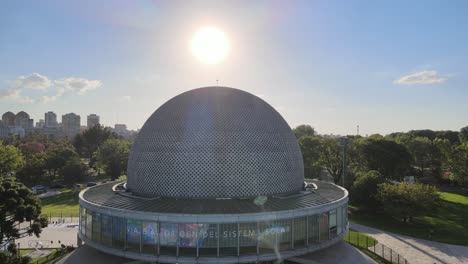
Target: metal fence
<point x="365" y="242"/>
<point x="62" y="217"/>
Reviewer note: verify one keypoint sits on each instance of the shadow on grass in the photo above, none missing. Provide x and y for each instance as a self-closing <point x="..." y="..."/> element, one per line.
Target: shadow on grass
<point x="449" y="223"/>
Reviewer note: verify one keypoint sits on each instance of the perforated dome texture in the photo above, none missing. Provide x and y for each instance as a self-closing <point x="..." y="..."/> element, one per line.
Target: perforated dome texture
<point x="215" y="142"/>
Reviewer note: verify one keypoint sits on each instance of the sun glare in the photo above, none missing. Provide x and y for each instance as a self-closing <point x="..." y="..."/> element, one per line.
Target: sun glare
<point x="210" y="45"/>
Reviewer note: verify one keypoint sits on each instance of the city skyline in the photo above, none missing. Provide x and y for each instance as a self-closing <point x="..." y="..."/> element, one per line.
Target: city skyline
<point x="386" y="67"/>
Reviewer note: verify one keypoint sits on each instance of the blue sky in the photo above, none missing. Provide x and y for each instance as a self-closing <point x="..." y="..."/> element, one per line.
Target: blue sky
<point x="385" y="66"/>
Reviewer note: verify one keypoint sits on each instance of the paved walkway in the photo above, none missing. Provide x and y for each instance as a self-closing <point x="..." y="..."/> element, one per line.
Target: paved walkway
<point x="417" y="250"/>
<point x="340" y="253"/>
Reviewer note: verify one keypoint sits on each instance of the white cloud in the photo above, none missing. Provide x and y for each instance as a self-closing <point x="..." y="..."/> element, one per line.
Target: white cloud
<point x="50" y="98"/>
<point x="33" y="81"/>
<point x="41" y="82"/>
<point x="80" y="85"/>
<point x="423" y="77"/>
<point x="15" y="94"/>
<point x="7" y="93"/>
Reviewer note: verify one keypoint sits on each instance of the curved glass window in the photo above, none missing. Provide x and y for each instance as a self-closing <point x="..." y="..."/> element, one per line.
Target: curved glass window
<point x="150" y="237"/>
<point x="212" y="240"/>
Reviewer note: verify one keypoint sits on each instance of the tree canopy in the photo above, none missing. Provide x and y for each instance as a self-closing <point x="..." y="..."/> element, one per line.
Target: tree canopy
<point x="17" y="205"/>
<point x="364" y="188"/>
<point x="11" y="160"/>
<point x="112" y="155"/>
<point x="91" y="139"/>
<point x="388" y="157"/>
<point x="406" y="200"/>
<point x="304" y="130"/>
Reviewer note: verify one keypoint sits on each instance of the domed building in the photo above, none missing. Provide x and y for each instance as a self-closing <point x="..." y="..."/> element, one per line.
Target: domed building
<point x="215" y="176"/>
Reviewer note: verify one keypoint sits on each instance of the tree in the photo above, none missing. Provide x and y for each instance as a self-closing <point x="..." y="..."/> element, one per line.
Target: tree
<point x="464" y="134"/>
<point x="91" y="139"/>
<point x="331" y="157"/>
<point x="58" y="157"/>
<point x="364" y="188"/>
<point x="32" y="173"/>
<point x="113" y="157"/>
<point x="421" y="150"/>
<point x="406" y="200"/>
<point x="304" y="130"/>
<point x="17" y="205"/>
<point x="11" y="160"/>
<point x="73" y="171"/>
<point x="458" y="162"/>
<point x="310" y="147"/>
<point x="389" y="158"/>
<point x="32" y="148"/>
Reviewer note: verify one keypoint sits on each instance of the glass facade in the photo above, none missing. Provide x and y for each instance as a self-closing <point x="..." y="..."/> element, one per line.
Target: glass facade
<point x="212" y="240"/>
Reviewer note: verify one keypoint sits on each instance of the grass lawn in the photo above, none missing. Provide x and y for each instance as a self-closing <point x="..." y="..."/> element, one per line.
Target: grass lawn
<point x="25" y="251"/>
<point x="359" y="239"/>
<point x="65" y="203"/>
<point x="362" y="242"/>
<point x="449" y="221"/>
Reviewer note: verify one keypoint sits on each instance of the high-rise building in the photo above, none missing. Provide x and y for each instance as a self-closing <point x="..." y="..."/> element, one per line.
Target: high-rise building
<point x="40" y="124"/>
<point x="8" y="119"/>
<point x="71" y="125"/>
<point x="50" y="119"/>
<point x="22" y="120"/>
<point x="120" y="128"/>
<point x="92" y="120"/>
<point x="4" y="130"/>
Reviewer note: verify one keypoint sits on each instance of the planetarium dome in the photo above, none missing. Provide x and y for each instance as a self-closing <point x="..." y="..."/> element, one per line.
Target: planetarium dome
<point x="215" y="142"/>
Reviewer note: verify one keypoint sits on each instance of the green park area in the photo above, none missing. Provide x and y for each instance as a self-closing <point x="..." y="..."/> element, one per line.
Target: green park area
<point x="448" y="223"/>
<point x="65" y="204"/>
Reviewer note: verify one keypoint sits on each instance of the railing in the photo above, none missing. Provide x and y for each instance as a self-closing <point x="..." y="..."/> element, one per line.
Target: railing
<point x="371" y="245"/>
<point x="62" y="217"/>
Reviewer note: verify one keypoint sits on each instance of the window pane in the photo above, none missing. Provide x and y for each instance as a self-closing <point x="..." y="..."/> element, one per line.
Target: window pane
<point x="209" y="239"/>
<point x="228" y="240"/>
<point x="83" y="221"/>
<point x="106" y="230"/>
<point x="332" y="223"/>
<point x="168" y="239"/>
<point x="89" y="224"/>
<point x="133" y="235"/>
<point x="339" y="220"/>
<point x="119" y="232"/>
<point x="283" y="231"/>
<point x="313" y="229"/>
<point x="150" y="237"/>
<point x="248" y="238"/>
<point x="332" y="218"/>
<point x="300" y="232"/>
<point x="267" y="237"/>
<point x="324" y="230"/>
<point x="188" y="239"/>
<point x="97" y="227"/>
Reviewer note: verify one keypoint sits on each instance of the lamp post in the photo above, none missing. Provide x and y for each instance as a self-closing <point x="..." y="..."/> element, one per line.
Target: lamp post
<point x="344" y="144"/>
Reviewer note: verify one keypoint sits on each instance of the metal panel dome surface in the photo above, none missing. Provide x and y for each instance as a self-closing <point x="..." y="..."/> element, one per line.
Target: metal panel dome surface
<point x="215" y="142"/>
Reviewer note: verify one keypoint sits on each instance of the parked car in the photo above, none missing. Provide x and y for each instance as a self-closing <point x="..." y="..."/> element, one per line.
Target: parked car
<point x="38" y="189"/>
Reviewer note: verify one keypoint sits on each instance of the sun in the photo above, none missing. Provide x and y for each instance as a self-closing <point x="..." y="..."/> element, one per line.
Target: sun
<point x="210" y="45"/>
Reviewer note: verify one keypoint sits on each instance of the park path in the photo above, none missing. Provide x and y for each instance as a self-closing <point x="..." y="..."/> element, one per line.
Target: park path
<point x="417" y="250"/>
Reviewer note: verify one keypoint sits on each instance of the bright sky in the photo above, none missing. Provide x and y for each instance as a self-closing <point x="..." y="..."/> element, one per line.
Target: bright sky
<point x="384" y="65"/>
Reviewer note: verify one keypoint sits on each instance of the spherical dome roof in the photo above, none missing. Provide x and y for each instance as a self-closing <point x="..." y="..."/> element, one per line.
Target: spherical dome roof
<point x="215" y="142"/>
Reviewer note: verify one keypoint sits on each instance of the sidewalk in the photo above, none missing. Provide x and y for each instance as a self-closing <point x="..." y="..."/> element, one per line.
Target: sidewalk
<point x="417" y="250"/>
